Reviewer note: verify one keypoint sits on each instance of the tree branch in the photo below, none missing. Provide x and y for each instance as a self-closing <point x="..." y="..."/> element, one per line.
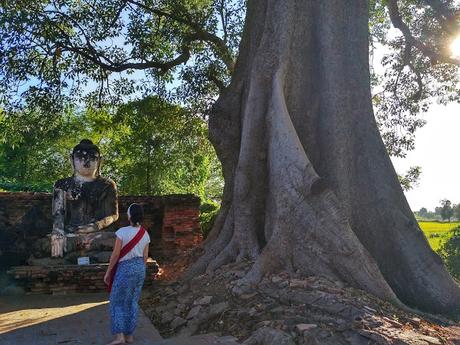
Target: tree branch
<point x="163" y="66"/>
<point x="444" y="16"/>
<point x="429" y="52"/>
<point x="219" y="44"/>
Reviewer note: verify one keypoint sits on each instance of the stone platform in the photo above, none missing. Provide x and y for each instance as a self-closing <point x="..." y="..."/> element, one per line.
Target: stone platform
<point x="68" y="278"/>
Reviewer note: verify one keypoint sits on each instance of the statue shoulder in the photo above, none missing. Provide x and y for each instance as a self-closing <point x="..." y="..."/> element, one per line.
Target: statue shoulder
<point x="65" y="183"/>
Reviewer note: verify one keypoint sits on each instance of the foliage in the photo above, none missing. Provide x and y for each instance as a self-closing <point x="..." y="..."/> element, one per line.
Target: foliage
<point x="450" y="253"/>
<point x="58" y="48"/>
<point x="101" y="52"/>
<point x="153" y="147"/>
<point x="437" y="232"/>
<point x="34" y="148"/>
<point x="149" y="147"/>
<point x="417" y="67"/>
<point x="410" y="179"/>
<point x="208" y="214"/>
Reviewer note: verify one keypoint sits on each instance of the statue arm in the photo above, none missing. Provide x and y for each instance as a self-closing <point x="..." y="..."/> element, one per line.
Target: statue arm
<point x="58" y="209"/>
<point x="110" y="206"/>
<point x="58" y="239"/>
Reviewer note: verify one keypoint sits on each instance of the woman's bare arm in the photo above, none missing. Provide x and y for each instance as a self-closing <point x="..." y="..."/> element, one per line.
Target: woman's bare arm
<point x="146" y="252"/>
<point x="113" y="258"/>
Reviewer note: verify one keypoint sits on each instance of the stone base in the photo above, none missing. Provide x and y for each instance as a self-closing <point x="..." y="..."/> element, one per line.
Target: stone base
<point x="68" y="278"/>
<point x="77" y="245"/>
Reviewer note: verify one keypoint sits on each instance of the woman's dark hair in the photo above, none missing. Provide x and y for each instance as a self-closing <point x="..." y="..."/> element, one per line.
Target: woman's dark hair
<point x="136" y="213"/>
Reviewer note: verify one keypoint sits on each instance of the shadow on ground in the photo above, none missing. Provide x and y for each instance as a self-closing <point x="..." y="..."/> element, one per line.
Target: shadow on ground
<point x="66" y="319"/>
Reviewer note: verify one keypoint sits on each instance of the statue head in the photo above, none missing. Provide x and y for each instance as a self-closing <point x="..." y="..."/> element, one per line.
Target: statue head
<point x="86" y="160"/>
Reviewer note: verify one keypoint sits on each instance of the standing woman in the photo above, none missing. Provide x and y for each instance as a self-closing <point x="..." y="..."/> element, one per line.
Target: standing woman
<point x="125" y="275"/>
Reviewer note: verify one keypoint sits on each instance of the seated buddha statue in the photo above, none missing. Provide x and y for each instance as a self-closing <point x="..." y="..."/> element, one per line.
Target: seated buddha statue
<point x="84" y="204"/>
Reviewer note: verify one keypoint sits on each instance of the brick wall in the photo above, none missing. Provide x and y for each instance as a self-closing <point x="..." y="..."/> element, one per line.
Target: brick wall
<point x="172" y="222"/>
<point x="68" y="278"/>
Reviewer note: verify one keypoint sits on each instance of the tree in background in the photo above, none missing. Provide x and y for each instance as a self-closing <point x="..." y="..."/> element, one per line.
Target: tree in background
<point x="153" y="147"/>
<point x="34" y="150"/>
<point x="423" y="213"/>
<point x="456" y="209"/>
<point x="446" y="209"/>
<point x="149" y="147"/>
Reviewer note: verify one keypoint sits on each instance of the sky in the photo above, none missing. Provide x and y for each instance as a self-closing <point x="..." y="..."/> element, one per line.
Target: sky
<point x="436" y="151"/>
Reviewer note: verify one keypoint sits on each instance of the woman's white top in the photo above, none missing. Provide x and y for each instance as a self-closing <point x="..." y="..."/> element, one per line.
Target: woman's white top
<point x="125" y="235"/>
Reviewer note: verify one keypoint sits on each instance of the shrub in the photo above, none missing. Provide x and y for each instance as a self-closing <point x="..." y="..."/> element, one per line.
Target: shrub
<point x="450" y="253"/>
<point x="208" y="214"/>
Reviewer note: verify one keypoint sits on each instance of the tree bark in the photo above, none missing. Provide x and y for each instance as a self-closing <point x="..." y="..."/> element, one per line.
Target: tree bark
<point x="309" y="186"/>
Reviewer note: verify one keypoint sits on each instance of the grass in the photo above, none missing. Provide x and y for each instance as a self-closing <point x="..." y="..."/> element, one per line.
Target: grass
<point x="437" y="232"/>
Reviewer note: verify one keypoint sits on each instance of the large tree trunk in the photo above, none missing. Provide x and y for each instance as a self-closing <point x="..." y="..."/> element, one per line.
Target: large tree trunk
<point x="309" y="184"/>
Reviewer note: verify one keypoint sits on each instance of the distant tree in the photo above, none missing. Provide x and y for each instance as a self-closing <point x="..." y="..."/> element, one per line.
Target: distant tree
<point x="423" y="213"/>
<point x="456" y="209"/>
<point x="446" y="209"/>
<point x="437" y="211"/>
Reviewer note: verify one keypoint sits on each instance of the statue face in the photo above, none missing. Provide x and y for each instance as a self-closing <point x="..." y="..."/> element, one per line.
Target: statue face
<point x="86" y="163"/>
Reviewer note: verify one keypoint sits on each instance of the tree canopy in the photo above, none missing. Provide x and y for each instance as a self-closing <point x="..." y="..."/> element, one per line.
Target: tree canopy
<point x="58" y="51"/>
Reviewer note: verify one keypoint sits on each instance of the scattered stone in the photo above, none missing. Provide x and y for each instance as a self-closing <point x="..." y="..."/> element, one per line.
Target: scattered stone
<point x="252" y="311"/>
<point x="190" y="329"/>
<point x="285" y="309"/>
<point x="183" y="299"/>
<point x="177" y="322"/>
<point x="304" y="327"/>
<point x="392" y="322"/>
<point x="429" y="340"/>
<point x="203" y="301"/>
<point x="415" y="321"/>
<point x="218" y="308"/>
<point x="283" y="284"/>
<point x="297" y="283"/>
<point x="277" y="279"/>
<point x="167" y="317"/>
<point x="369" y="309"/>
<point x="171" y="305"/>
<point x="277" y="310"/>
<point x="248" y="296"/>
<point x="269" y="336"/>
<point x="193" y="312"/>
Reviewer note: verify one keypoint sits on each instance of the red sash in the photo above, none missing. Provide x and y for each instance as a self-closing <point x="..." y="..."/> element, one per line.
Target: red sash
<point x="125" y="250"/>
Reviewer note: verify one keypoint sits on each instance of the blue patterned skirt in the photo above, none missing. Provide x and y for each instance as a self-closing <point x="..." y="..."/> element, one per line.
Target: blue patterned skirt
<point x="126" y="290"/>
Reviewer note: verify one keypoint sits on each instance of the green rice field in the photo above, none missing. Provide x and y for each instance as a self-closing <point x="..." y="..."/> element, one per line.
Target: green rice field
<point x="437" y="232"/>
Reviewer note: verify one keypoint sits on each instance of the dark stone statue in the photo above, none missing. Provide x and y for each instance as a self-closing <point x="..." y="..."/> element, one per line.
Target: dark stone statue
<point x="83" y="204"/>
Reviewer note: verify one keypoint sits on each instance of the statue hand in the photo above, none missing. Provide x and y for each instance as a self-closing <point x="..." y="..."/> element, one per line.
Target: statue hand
<point x="69" y="196"/>
<point x="87" y="229"/>
<point x="58" y="244"/>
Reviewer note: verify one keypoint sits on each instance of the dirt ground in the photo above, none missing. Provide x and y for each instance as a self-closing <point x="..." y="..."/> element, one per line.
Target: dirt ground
<point x="62" y="319"/>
